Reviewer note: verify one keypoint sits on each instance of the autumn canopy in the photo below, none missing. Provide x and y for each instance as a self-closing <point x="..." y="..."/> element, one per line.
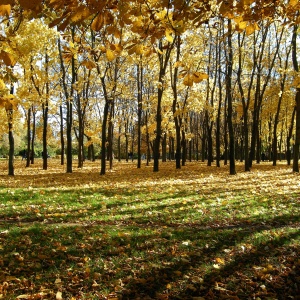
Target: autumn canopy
<point x="216" y="79"/>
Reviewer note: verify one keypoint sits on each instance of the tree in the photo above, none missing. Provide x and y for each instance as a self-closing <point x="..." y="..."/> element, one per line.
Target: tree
<point x="297" y="102"/>
<point x="229" y="101"/>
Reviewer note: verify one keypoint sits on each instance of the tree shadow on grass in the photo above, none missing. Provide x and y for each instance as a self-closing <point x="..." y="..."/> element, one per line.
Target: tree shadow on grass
<point x="155" y="260"/>
<point x="233" y="280"/>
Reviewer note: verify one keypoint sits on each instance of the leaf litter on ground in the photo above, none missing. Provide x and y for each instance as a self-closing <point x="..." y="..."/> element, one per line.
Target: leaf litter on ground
<point x="193" y="233"/>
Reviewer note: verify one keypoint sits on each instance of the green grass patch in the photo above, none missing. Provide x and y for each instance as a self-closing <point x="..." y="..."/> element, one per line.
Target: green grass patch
<point x="180" y="236"/>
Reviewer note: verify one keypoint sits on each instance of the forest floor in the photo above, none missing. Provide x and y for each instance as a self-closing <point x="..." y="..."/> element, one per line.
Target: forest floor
<point x="195" y="233"/>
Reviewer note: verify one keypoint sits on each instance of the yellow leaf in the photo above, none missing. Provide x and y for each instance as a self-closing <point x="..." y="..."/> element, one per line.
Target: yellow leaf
<point x="89" y="64"/>
<point x="188" y="80"/>
<point x="5" y="2"/>
<point x="8" y="58"/>
<point x="119" y="48"/>
<point x="220" y="261"/>
<point x="25" y="296"/>
<point x="98" y="22"/>
<point x="34" y="5"/>
<point x="2" y="85"/>
<point x="256" y="26"/>
<point x="293" y="2"/>
<point x="139" y="49"/>
<point x="161" y="15"/>
<point x="168" y="35"/>
<point x="5" y="10"/>
<point x="110" y="55"/>
<point x="59" y="296"/>
<point x="178" y="64"/>
<point x="81" y="14"/>
<point x="250" y="29"/>
<point x="242" y="25"/>
<point x="198" y="77"/>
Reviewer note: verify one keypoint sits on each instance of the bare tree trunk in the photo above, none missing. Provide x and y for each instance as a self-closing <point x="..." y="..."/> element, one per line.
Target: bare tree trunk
<point x="104" y="125"/>
<point x="45" y="118"/>
<point x="31" y="153"/>
<point x="288" y="139"/>
<point x="28" y="138"/>
<point x="229" y="103"/>
<point x="62" y="140"/>
<point x="10" y="114"/>
<point x="140" y="107"/>
<point x="297" y="100"/>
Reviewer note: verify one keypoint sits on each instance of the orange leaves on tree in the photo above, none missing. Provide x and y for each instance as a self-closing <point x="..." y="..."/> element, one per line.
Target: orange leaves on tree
<point x="6" y="2"/>
<point x="89" y="64"/>
<point x="8" y="102"/>
<point x="195" y="77"/>
<point x="7" y="58"/>
<point x="5" y="10"/>
<point x="80" y="14"/>
<point x="34" y="5"/>
<point x="190" y="77"/>
<point x="242" y="25"/>
<point x="98" y="22"/>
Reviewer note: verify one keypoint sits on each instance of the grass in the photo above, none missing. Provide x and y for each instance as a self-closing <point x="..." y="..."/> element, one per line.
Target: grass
<point x="195" y="233"/>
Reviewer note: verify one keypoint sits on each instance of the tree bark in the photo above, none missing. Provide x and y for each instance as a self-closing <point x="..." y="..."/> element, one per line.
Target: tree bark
<point x="10" y="114"/>
<point x="140" y="107"/>
<point x="276" y="120"/>
<point x="229" y="102"/>
<point x="45" y="109"/>
<point x="62" y="140"/>
<point x="28" y="137"/>
<point x="297" y="102"/>
<point x="163" y="57"/>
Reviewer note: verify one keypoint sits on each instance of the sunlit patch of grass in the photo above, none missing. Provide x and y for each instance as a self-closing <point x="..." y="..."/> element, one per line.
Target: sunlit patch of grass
<point x="133" y="233"/>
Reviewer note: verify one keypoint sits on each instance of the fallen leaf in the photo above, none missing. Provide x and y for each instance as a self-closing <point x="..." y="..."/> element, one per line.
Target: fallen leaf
<point x="59" y="296"/>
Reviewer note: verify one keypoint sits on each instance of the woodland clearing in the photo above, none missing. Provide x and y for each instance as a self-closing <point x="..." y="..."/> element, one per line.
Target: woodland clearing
<point x="194" y="233"/>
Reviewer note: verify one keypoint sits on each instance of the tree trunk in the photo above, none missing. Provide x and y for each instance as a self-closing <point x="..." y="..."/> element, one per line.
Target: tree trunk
<point x="31" y="153"/>
<point x="163" y="57"/>
<point x="45" y="109"/>
<point x="28" y="138"/>
<point x="288" y="139"/>
<point x="229" y="102"/>
<point x="69" y="105"/>
<point x="10" y="114"/>
<point x="276" y="121"/>
<point x="62" y="140"/>
<point x="104" y="125"/>
<point x="80" y="115"/>
<point x="297" y="101"/>
<point x="140" y="107"/>
<point x="119" y="143"/>
<point x="164" y="148"/>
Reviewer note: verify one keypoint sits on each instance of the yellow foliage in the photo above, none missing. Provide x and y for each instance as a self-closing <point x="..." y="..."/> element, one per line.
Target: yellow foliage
<point x="110" y="55"/>
<point x="34" y="5"/>
<point x="198" y="77"/>
<point x="250" y="29"/>
<point x="98" y="22"/>
<point x="89" y="64"/>
<point x="188" y="80"/>
<point x="168" y="35"/>
<point x="7" y="58"/>
<point x="5" y="10"/>
<point x="80" y="14"/>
